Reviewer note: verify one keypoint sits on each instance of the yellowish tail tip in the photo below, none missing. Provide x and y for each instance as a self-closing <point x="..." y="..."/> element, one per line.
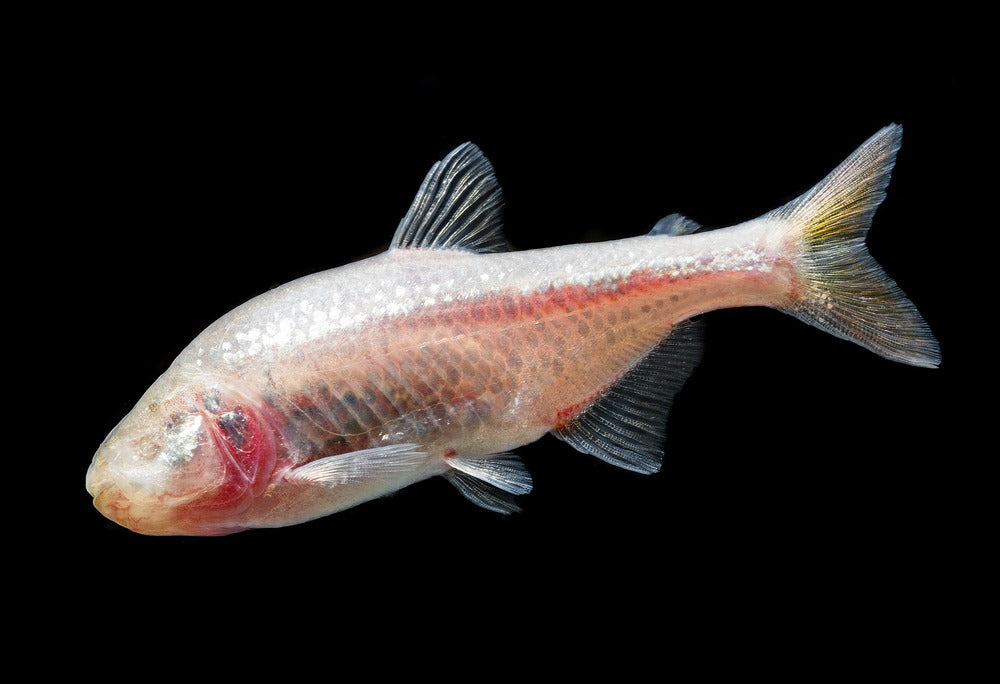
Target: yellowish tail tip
<point x="839" y="287"/>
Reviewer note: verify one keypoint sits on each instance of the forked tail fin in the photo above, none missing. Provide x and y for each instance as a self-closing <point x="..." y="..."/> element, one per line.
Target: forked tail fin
<point x="838" y="286"/>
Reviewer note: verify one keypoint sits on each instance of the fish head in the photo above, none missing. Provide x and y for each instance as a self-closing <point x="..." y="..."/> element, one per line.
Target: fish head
<point x="188" y="459"/>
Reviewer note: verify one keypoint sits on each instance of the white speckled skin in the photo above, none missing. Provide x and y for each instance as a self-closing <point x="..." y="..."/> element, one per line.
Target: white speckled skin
<point x="342" y="301"/>
<point x="434" y="360"/>
<point x="502" y="376"/>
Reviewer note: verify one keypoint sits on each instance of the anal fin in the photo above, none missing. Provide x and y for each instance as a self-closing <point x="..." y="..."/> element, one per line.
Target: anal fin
<point x="626" y="426"/>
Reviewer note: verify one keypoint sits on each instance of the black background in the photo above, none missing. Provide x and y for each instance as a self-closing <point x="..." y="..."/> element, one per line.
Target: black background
<point x="814" y="496"/>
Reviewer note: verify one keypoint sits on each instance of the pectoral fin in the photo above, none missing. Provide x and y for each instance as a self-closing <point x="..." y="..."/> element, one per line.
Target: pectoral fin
<point x="355" y="465"/>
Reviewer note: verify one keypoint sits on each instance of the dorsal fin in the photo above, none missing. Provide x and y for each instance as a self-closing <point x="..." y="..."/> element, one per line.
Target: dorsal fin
<point x="627" y="425"/>
<point x="459" y="206"/>
<point x="675" y="224"/>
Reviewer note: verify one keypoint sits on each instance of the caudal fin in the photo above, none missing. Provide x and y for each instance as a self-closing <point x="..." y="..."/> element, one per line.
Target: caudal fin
<point x="839" y="287"/>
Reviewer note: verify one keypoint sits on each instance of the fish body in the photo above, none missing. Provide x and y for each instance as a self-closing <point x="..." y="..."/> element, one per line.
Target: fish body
<point x="447" y="352"/>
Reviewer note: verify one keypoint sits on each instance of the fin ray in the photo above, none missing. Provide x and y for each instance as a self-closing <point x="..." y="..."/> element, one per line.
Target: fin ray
<point x="626" y="426"/>
<point x="459" y="206"/>
<point x="490" y="482"/>
<point x="675" y="224"/>
<point x="841" y="289"/>
<point x="354" y="465"/>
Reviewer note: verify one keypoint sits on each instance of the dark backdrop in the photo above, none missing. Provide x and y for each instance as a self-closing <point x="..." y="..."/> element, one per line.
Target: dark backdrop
<point x="809" y="488"/>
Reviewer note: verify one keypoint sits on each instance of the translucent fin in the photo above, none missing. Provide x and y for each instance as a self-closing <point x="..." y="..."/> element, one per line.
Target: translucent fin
<point x="627" y="425"/>
<point x="675" y="224"/>
<point x="841" y="289"/>
<point x="504" y="471"/>
<point x="490" y="482"/>
<point x="354" y="465"/>
<point x="459" y="206"/>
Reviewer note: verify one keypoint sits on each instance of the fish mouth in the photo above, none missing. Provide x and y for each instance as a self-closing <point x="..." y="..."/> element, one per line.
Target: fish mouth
<point x="109" y="498"/>
<point x="114" y="505"/>
<point x="136" y="513"/>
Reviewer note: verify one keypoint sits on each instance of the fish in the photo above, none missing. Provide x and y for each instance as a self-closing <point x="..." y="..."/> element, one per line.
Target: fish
<point x="448" y="351"/>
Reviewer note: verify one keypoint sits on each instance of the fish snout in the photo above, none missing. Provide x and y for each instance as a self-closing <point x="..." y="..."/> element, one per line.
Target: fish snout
<point x="103" y="484"/>
<point x="182" y="460"/>
<point x="114" y="505"/>
<point x="129" y="499"/>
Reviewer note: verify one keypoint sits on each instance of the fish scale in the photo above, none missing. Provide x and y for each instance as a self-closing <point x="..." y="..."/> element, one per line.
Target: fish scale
<point x="511" y="336"/>
<point x="449" y="351"/>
